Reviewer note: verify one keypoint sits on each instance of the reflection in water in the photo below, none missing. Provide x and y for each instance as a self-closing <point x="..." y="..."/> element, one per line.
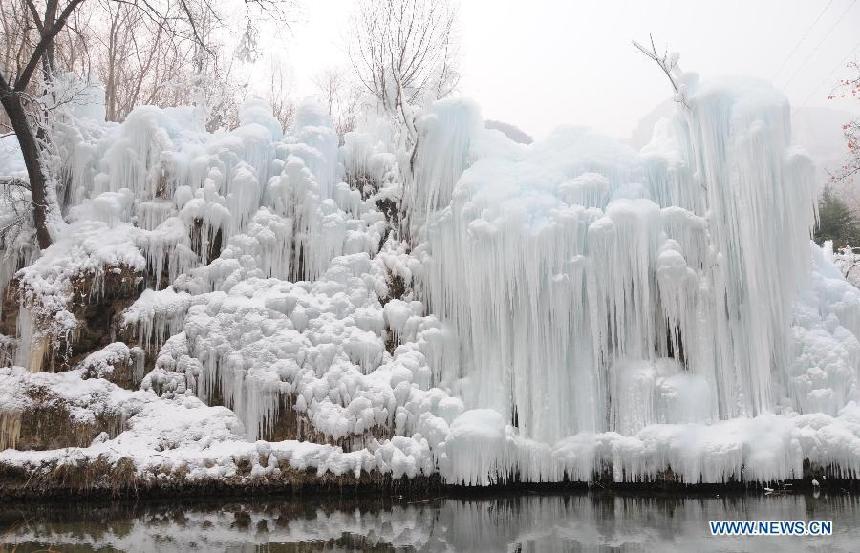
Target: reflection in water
<point x="529" y="523"/>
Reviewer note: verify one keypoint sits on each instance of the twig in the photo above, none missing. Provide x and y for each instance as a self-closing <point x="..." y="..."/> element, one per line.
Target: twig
<point x="666" y="63"/>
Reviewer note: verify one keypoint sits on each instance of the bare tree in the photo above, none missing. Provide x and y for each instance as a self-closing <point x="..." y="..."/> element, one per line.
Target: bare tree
<point x="283" y="107"/>
<point x="133" y="51"/>
<point x="403" y="52"/>
<point x="15" y="211"/>
<point x="850" y="88"/>
<point x="340" y="96"/>
<point x="14" y="82"/>
<point x="328" y="83"/>
<point x="31" y="34"/>
<point x="143" y="59"/>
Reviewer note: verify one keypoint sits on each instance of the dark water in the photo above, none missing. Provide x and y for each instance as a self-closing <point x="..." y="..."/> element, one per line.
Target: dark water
<point x="524" y="523"/>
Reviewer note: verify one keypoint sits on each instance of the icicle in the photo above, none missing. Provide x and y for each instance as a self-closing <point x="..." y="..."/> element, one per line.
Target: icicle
<point x="10" y="261"/>
<point x="153" y="213"/>
<point x="157" y="315"/>
<point x="443" y="154"/>
<point x="10" y="430"/>
<point x="318" y="226"/>
<point x="314" y="141"/>
<point x="32" y="344"/>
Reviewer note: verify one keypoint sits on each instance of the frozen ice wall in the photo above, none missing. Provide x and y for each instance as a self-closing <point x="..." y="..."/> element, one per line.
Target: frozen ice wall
<point x="594" y="288"/>
<point x="479" y="308"/>
<point x="159" y="186"/>
<point x="190" y="191"/>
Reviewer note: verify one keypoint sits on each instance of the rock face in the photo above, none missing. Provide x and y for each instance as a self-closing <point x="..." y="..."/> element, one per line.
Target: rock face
<point x="254" y="308"/>
<point x="96" y="299"/>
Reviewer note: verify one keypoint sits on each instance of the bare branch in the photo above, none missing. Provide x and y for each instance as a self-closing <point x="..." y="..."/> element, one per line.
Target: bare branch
<point x="401" y="52"/>
<point x="667" y="64"/>
<point x="44" y="42"/>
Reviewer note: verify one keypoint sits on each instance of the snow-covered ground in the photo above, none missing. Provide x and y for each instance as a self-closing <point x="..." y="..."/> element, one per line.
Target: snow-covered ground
<point x="570" y="307"/>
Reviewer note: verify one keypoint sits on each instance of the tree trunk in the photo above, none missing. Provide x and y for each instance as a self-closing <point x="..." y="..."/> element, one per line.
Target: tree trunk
<point x="32" y="159"/>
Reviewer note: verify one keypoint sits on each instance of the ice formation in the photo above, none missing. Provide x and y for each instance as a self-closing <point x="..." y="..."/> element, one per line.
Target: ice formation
<point x="484" y="309"/>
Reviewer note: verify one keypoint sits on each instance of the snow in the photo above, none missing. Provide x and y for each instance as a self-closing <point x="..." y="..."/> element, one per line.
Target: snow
<point x="847" y="260"/>
<point x="183" y="435"/>
<point x="541" y="311"/>
<point x="763" y="448"/>
<point x="180" y="434"/>
<point x="157" y="315"/>
<point x="102" y="363"/>
<point x="86" y="250"/>
<point x="85" y="398"/>
<point x="263" y="338"/>
<point x="11" y="159"/>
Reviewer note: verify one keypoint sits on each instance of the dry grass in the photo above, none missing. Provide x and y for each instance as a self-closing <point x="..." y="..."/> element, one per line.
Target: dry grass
<point x="102" y="478"/>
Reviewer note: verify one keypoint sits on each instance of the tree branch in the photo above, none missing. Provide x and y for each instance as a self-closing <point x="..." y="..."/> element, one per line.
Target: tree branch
<point x="666" y="64"/>
<point x="44" y="43"/>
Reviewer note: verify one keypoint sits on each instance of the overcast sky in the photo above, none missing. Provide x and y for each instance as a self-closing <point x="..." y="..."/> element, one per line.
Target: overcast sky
<point x="541" y="63"/>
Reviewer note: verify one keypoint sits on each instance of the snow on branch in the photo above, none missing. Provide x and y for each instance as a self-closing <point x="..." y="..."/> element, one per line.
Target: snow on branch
<point x="668" y="62"/>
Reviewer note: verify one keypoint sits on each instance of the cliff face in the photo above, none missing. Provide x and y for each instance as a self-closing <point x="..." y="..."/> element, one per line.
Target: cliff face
<point x="256" y="308"/>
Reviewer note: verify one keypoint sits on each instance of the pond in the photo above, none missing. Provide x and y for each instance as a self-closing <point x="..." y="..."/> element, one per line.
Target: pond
<point x="511" y="523"/>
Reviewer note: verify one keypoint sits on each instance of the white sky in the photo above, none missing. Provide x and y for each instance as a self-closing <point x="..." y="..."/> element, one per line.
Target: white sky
<point x="541" y="63"/>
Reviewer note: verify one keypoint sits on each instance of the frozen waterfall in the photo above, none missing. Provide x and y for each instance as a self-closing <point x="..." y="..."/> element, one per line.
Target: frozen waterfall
<point x="477" y="308"/>
<point x="595" y="289"/>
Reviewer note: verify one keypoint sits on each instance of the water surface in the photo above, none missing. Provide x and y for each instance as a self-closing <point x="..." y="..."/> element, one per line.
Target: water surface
<point x="523" y="523"/>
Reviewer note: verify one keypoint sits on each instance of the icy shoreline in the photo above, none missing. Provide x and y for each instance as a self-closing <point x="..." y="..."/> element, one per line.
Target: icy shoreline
<point x="17" y="485"/>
